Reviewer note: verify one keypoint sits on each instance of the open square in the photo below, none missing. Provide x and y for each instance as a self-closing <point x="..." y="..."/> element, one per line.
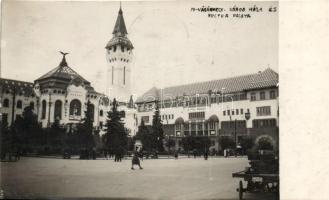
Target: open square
<point x="185" y="178"/>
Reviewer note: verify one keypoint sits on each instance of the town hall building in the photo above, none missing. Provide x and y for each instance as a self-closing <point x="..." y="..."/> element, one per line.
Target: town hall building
<point x="62" y="94"/>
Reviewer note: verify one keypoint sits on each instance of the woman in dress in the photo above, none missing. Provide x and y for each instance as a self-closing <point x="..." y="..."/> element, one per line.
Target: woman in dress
<point x="135" y="161"/>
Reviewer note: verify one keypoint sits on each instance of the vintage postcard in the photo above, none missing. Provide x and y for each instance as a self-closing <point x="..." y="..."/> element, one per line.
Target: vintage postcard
<point x="140" y="100"/>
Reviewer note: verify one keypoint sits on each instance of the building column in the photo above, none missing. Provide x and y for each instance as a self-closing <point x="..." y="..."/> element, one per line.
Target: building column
<point x="208" y="130"/>
<point x="203" y="128"/>
<point x="216" y="128"/>
<point x="189" y="128"/>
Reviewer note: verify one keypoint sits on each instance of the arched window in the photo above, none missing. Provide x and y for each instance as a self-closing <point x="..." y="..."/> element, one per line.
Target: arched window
<point x="101" y="113"/>
<point x="58" y="110"/>
<point x="19" y="104"/>
<point x="43" y="111"/>
<point x="75" y="107"/>
<point x="92" y="112"/>
<point x="6" y="103"/>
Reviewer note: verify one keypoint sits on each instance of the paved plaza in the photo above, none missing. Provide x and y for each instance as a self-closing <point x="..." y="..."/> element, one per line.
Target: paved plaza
<point x="185" y="178"/>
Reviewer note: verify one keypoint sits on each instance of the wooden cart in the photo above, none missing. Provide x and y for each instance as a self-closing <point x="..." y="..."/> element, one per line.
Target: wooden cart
<point x="261" y="176"/>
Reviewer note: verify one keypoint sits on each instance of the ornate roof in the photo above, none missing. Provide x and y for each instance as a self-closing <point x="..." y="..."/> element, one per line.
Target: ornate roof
<point x="63" y="71"/>
<point x="264" y="79"/>
<point x="62" y="76"/>
<point x="120" y="26"/>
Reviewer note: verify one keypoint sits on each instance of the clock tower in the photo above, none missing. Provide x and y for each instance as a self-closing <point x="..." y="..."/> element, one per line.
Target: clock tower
<point x="119" y="56"/>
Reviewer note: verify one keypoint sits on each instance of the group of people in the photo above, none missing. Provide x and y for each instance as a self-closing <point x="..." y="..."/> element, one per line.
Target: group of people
<point x="118" y="155"/>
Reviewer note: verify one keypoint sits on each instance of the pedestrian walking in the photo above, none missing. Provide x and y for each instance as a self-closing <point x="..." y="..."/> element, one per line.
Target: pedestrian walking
<point x="194" y="153"/>
<point x="135" y="161"/>
<point x="205" y="155"/>
<point x="105" y="154"/>
<point x="176" y="155"/>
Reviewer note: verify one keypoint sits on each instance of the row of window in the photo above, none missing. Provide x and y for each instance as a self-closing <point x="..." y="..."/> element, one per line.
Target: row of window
<point x="238" y="124"/>
<point x="196" y="115"/>
<point x="262" y="95"/>
<point x="59" y="92"/>
<point x="19" y="104"/>
<point x="74" y="110"/>
<point x="233" y="124"/>
<point x="92" y="96"/>
<point x="165" y="117"/>
<point x="191" y="101"/>
<point x="19" y="93"/>
<point x="263" y="123"/>
<point x="115" y="48"/>
<point x="263" y="111"/>
<point x="209" y="125"/>
<point x="121" y="59"/>
<point x="235" y="112"/>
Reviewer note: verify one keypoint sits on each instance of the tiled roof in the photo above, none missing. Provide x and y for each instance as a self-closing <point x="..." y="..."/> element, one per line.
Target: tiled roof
<point x="62" y="72"/>
<point x="120" y="26"/>
<point x="21" y="87"/>
<point x="264" y="79"/>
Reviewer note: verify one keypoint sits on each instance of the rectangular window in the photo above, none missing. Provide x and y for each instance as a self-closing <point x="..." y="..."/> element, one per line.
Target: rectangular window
<point x="253" y="96"/>
<point x="228" y="112"/>
<point x="241" y="111"/>
<point x="263" y="111"/>
<point x="272" y="94"/>
<point x="197" y="115"/>
<point x="232" y="112"/>
<point x="237" y="111"/>
<point x="262" y="95"/>
<point x="224" y="112"/>
<point x="263" y="123"/>
<point x="243" y="96"/>
<point x="146" y="119"/>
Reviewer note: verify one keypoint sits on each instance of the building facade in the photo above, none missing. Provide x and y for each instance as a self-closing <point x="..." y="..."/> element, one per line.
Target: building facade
<point x="237" y="107"/>
<point x="62" y="94"/>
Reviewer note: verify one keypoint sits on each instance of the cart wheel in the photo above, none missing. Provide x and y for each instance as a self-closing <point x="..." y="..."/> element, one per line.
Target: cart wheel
<point x="240" y="190"/>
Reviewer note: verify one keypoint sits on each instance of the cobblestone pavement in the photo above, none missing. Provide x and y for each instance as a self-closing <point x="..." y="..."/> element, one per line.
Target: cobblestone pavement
<point x="185" y="178"/>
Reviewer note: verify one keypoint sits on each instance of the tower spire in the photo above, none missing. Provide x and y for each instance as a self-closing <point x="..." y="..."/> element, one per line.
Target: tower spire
<point x="120" y="26"/>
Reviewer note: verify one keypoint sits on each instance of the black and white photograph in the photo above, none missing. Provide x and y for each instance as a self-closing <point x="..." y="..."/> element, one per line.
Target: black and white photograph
<point x="140" y="100"/>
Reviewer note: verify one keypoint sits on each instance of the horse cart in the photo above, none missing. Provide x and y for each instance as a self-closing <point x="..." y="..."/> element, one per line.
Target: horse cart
<point x="261" y="176"/>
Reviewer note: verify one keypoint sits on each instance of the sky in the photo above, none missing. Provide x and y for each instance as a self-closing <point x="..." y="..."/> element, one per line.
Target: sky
<point x="172" y="44"/>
